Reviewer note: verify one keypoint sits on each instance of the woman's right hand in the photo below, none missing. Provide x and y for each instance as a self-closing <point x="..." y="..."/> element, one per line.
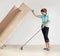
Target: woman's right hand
<point x="35" y="14"/>
<point x="32" y="10"/>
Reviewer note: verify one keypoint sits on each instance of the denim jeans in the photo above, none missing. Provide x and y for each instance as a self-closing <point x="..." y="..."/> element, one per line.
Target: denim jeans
<point x="45" y="32"/>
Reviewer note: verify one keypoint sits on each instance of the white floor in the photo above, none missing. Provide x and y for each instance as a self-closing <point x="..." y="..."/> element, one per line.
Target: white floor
<point x="30" y="51"/>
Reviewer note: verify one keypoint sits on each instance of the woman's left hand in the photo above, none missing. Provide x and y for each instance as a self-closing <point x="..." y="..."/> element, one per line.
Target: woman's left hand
<point x="42" y="26"/>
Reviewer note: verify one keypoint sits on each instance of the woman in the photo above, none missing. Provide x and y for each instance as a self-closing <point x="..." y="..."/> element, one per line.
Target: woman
<point x="44" y="26"/>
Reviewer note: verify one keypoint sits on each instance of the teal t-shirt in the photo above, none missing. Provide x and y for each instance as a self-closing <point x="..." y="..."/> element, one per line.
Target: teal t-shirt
<point x="44" y="19"/>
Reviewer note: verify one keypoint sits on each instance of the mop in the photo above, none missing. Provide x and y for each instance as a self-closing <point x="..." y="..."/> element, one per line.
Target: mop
<point x="29" y="39"/>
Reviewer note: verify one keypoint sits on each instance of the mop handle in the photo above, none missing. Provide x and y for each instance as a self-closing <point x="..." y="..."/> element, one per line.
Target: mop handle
<point x="32" y="37"/>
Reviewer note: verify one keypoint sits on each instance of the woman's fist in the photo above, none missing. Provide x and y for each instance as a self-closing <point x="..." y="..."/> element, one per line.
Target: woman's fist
<point x="42" y="26"/>
<point x="32" y="10"/>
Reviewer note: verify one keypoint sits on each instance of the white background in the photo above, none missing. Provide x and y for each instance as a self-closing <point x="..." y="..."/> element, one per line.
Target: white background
<point x="31" y="24"/>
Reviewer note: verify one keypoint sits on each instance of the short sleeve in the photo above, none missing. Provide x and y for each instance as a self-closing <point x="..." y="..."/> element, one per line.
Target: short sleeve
<point x="40" y="16"/>
<point x="48" y="17"/>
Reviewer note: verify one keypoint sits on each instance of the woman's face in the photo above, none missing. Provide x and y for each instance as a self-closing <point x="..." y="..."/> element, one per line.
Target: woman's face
<point x="43" y="13"/>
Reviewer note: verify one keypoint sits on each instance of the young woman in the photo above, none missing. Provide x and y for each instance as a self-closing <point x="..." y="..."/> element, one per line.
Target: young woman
<point x="44" y="26"/>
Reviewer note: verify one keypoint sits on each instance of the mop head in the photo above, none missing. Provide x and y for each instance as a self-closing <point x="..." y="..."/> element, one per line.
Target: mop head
<point x="21" y="48"/>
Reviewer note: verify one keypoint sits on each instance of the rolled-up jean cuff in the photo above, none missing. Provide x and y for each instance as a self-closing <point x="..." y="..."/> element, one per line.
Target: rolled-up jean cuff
<point x="46" y="41"/>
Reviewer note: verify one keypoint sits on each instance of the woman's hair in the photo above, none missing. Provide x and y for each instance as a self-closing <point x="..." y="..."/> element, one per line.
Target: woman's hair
<point x="44" y="10"/>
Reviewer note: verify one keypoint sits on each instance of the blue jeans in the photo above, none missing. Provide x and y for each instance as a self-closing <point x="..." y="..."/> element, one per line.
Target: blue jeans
<point x="45" y="32"/>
